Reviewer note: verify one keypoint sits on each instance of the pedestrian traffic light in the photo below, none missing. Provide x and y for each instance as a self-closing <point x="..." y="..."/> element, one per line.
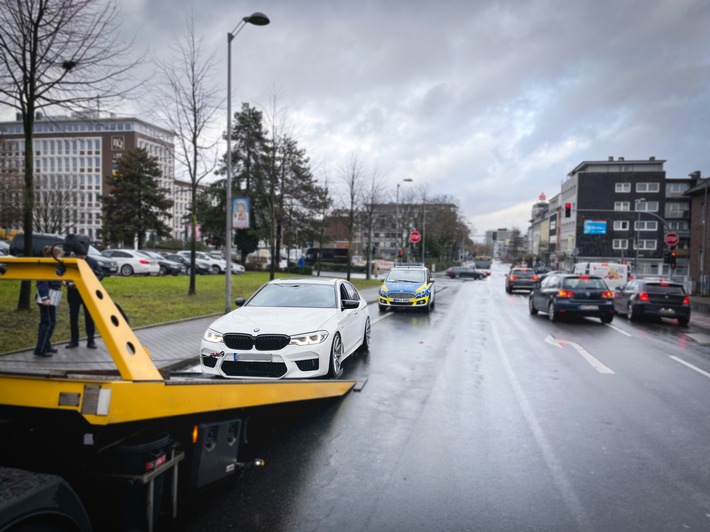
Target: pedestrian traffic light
<point x="568" y="210"/>
<point x="673" y="256"/>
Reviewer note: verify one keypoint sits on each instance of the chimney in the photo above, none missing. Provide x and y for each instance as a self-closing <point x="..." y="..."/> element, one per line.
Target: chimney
<point x="611" y="158"/>
<point x="651" y="158"/>
<point x="621" y="158"/>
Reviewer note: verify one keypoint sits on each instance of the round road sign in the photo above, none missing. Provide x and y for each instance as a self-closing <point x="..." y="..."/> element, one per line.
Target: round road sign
<point x="414" y="237"/>
<point x="671" y="239"/>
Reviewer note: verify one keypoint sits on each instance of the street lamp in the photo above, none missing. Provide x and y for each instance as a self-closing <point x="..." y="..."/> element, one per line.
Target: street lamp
<point x="258" y="19"/>
<point x="396" y="222"/>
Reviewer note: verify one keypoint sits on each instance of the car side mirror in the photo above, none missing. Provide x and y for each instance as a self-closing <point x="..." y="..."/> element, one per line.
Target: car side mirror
<point x="239" y="301"/>
<point x="349" y="304"/>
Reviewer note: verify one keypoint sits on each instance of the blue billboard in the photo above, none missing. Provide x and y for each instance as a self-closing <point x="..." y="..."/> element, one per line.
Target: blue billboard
<point x="594" y="227"/>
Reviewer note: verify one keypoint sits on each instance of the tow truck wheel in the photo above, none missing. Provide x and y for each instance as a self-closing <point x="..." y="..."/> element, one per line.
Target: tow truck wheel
<point x="335" y="370"/>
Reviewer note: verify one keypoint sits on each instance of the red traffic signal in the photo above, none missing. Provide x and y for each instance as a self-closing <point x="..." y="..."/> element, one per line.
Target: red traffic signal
<point x="673" y="257"/>
<point x="568" y="210"/>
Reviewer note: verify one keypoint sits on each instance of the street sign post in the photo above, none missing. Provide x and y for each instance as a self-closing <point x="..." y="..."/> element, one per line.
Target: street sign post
<point x="671" y="239"/>
<point x="414" y="237"/>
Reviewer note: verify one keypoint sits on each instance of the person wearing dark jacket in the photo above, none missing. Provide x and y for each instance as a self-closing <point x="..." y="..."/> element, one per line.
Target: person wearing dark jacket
<point x="75" y="304"/>
<point x="49" y="294"/>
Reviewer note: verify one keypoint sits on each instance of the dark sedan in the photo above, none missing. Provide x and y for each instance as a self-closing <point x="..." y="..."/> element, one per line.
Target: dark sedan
<point x="573" y="295"/>
<point x="658" y="298"/>
<point x="167" y="266"/>
<point x="457" y="272"/>
<point x="520" y="279"/>
<point x="201" y="267"/>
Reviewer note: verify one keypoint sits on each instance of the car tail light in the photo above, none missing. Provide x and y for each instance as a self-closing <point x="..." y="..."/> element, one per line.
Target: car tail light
<point x="686" y="300"/>
<point x="643" y="296"/>
<point x="512" y="277"/>
<point x="144" y="261"/>
<point x="534" y="277"/>
<point x="608" y="295"/>
<point x="565" y="293"/>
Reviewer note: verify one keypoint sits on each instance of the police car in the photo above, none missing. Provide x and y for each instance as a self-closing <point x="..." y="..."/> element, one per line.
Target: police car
<point x="408" y="285"/>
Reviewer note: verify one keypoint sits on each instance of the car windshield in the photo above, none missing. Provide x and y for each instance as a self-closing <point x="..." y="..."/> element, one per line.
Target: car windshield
<point x="406" y="276"/>
<point x="673" y="290"/>
<point x="307" y="295"/>
<point x="523" y="273"/>
<point x="584" y="283"/>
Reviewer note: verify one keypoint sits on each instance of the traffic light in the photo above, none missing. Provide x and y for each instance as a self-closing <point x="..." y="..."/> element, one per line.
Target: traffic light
<point x="568" y="210"/>
<point x="673" y="256"/>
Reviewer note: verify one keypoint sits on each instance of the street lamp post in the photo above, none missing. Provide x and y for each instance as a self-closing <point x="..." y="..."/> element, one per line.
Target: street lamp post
<point x="396" y="222"/>
<point x="258" y="19"/>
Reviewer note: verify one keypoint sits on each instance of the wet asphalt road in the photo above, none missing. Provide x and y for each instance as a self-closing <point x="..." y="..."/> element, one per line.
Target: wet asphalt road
<point x="479" y="416"/>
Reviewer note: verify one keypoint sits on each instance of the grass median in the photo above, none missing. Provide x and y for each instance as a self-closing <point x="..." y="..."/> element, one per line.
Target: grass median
<point x="145" y="300"/>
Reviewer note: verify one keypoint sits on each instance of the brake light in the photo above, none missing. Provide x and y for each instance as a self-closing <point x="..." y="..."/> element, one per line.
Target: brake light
<point x="512" y="277"/>
<point x="643" y="296"/>
<point x="534" y="278"/>
<point x="686" y="300"/>
<point x="144" y="261"/>
<point x="565" y="293"/>
<point x="607" y="295"/>
<point x="584" y="277"/>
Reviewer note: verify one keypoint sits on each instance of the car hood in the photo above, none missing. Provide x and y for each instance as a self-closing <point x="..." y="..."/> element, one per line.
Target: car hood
<point x="400" y="286"/>
<point x="269" y="320"/>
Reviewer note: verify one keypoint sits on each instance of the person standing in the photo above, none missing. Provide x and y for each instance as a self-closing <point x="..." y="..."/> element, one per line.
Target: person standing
<point x="301" y="264"/>
<point x="75" y="304"/>
<point x="49" y="294"/>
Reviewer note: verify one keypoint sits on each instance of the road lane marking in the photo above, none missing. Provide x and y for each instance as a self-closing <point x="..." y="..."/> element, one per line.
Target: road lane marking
<point x="701" y="338"/>
<point x="688" y="364"/>
<point x="382" y="317"/>
<point x="618" y="330"/>
<point x="591" y="359"/>
<point x="557" y="471"/>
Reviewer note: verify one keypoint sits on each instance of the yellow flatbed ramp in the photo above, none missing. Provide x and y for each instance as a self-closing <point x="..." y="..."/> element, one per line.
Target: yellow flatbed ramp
<point x="138" y="391"/>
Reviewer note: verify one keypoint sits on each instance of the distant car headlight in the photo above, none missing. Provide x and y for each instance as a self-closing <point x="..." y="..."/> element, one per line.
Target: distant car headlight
<point x="312" y="338"/>
<point x="384" y="292"/>
<point x="212" y="336"/>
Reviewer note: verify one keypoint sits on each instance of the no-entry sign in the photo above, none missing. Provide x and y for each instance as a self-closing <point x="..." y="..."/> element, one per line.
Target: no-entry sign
<point x="414" y="237"/>
<point x="671" y="239"/>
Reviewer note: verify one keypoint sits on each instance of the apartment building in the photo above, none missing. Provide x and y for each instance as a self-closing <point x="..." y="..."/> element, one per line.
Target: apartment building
<point x="74" y="155"/>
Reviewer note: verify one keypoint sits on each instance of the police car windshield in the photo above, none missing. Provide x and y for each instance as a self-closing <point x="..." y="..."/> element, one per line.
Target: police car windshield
<point x="406" y="276"/>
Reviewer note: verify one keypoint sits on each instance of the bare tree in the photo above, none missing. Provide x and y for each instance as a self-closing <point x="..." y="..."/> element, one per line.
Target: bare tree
<point x="10" y="187"/>
<point x="188" y="104"/>
<point x="52" y="210"/>
<point x="370" y="212"/>
<point x="352" y="175"/>
<point x="63" y="53"/>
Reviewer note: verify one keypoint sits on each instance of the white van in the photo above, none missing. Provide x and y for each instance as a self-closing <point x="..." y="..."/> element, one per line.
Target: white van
<point x="613" y="273"/>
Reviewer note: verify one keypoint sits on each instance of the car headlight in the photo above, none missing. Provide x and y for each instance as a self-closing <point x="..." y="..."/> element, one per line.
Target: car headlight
<point x="312" y="338"/>
<point x="212" y="336"/>
<point x="384" y="292"/>
<point x="421" y="293"/>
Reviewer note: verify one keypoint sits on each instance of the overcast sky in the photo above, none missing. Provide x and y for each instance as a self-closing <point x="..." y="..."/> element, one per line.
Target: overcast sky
<point x="490" y="102"/>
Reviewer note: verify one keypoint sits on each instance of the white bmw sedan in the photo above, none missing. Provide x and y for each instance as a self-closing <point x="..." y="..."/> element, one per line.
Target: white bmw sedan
<point x="289" y="328"/>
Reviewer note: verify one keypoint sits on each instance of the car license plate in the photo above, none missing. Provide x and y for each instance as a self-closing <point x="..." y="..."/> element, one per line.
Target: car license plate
<point x="668" y="311"/>
<point x="588" y="307"/>
<point x="401" y="300"/>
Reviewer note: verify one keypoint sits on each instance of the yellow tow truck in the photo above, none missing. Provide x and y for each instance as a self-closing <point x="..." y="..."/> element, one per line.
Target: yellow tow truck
<point x="101" y="450"/>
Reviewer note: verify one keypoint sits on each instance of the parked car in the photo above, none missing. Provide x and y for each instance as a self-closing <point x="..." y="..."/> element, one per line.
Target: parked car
<point x="4" y="248"/>
<point x="653" y="297"/>
<point x="167" y="266"/>
<point x="289" y="328"/>
<point x="238" y="268"/>
<point x="572" y="295"/>
<point x="456" y="272"/>
<point x="133" y="262"/>
<point x="201" y="267"/>
<point x="218" y="265"/>
<point x="520" y="279"/>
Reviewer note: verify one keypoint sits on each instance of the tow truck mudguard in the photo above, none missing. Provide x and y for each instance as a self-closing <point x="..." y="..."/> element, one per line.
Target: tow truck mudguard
<point x="29" y="499"/>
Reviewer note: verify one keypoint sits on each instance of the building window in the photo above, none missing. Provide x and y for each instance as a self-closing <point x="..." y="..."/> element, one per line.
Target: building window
<point x="647" y="187"/>
<point x="679" y="226"/>
<point x="621" y="225"/>
<point x="620" y="243"/>
<point x="646" y="225"/>
<point x="622" y="206"/>
<point x="647" y="206"/>
<point x="676" y="188"/>
<point x="622" y="187"/>
<point x="677" y="209"/>
<point x="646" y="244"/>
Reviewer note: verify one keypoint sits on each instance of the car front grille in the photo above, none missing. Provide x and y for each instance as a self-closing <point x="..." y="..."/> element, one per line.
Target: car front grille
<point x="254" y="369"/>
<point x="401" y="295"/>
<point x="263" y="342"/>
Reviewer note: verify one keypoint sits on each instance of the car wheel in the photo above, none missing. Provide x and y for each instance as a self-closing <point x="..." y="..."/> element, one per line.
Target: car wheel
<point x="215" y="269"/>
<point x="607" y="318"/>
<point x="683" y="321"/>
<point x="630" y="312"/>
<point x="188" y="270"/>
<point x="163" y="271"/>
<point x="176" y="272"/>
<point x="335" y="370"/>
<point x="551" y="311"/>
<point x="126" y="270"/>
<point x="509" y="289"/>
<point x="531" y="306"/>
<point x="365" y="346"/>
<point x="457" y="276"/>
